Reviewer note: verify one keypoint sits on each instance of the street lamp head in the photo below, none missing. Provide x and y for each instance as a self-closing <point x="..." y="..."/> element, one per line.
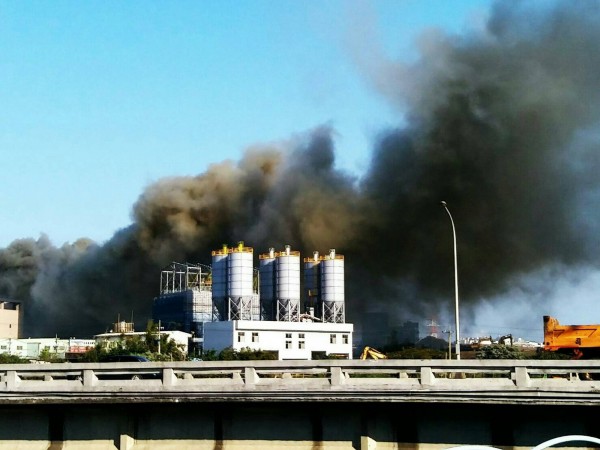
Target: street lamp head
<point x="443" y="203"/>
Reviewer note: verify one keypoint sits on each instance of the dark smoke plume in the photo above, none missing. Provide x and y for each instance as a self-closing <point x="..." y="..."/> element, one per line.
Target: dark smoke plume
<point x="502" y="124"/>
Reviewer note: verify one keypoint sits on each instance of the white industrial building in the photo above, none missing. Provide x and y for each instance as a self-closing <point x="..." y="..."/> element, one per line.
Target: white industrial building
<point x="291" y="340"/>
<point x="109" y="340"/>
<point x="279" y="322"/>
<point x="32" y="348"/>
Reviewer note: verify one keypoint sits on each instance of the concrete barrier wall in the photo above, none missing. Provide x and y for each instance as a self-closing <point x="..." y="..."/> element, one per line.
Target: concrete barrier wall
<point x="297" y="405"/>
<point x="287" y="425"/>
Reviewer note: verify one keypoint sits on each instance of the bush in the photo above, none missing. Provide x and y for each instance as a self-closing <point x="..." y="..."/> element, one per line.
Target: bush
<point x="46" y="356"/>
<point x="5" y="358"/>
<point x="245" y="354"/>
<point x="496" y="351"/>
<point x="544" y="354"/>
<point x="416" y="353"/>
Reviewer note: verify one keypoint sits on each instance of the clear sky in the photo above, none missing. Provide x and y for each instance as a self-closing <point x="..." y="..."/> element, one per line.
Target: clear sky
<point x="98" y="99"/>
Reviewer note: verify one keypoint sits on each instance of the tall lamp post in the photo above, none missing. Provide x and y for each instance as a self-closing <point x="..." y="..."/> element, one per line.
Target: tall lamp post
<point x="455" y="282"/>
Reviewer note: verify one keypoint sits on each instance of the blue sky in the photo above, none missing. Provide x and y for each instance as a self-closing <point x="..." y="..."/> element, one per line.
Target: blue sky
<point x="98" y="99"/>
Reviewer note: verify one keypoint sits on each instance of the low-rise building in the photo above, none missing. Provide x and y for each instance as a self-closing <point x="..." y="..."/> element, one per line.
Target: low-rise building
<point x="10" y="319"/>
<point x="108" y="340"/>
<point x="32" y="348"/>
<point x="291" y="340"/>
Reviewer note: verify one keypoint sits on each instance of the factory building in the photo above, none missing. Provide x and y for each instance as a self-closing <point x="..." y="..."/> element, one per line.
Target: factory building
<point x="185" y="300"/>
<point x="259" y="309"/>
<point x="11" y="315"/>
<point x="289" y="340"/>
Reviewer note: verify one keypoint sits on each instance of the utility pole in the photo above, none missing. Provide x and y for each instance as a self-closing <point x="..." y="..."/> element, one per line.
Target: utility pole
<point x="159" y="337"/>
<point x="449" y="333"/>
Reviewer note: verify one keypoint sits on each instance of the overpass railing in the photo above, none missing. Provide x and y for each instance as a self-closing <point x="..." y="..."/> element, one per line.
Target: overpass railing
<point x="331" y="380"/>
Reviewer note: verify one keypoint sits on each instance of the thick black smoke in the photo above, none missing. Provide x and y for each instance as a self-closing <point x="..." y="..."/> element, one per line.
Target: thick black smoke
<point x="502" y="124"/>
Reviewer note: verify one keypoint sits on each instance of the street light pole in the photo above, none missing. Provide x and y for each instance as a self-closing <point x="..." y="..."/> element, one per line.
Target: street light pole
<point x="457" y="347"/>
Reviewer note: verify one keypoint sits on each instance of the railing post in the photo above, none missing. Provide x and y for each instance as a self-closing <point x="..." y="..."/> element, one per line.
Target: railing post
<point x="12" y="379"/>
<point x="251" y="378"/>
<point x="427" y="376"/>
<point x="168" y="377"/>
<point x="522" y="377"/>
<point x="89" y="378"/>
<point x="367" y="443"/>
<point x="337" y="376"/>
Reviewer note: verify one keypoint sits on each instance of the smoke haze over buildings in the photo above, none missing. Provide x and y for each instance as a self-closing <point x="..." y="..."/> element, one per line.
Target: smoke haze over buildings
<point x="501" y="123"/>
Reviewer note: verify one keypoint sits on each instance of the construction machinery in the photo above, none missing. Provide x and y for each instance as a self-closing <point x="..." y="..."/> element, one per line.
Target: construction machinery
<point x="507" y="339"/>
<point x="371" y="353"/>
<point x="579" y="341"/>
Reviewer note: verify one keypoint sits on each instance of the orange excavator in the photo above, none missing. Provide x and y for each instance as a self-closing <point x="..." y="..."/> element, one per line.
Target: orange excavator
<point x="579" y="341"/>
<point x="371" y="353"/>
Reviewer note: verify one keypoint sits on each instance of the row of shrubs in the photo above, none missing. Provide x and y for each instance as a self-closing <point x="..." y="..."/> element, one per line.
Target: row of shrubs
<point x="170" y="352"/>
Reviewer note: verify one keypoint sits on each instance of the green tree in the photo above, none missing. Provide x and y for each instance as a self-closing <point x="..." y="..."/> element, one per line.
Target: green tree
<point x="210" y="355"/>
<point x="48" y="356"/>
<point x="145" y="345"/>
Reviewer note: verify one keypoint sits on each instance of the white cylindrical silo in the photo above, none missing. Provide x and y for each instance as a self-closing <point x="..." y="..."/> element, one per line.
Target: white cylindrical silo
<point x="267" y="284"/>
<point x="219" y="273"/>
<point x="287" y="288"/>
<point x="219" y="283"/>
<point x="288" y="275"/>
<point x="240" y="272"/>
<point x="332" y="277"/>
<point x="331" y="269"/>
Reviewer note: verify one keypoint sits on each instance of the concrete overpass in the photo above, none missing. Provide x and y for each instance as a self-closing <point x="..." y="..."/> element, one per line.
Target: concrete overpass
<point x="385" y="404"/>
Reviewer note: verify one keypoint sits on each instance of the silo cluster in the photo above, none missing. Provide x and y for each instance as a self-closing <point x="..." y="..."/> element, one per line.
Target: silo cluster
<point x="233" y="291"/>
<point x="236" y="295"/>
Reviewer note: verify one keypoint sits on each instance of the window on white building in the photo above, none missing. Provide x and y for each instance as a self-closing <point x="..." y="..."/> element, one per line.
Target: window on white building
<point x="288" y="335"/>
<point x="300" y="335"/>
<point x="3" y="347"/>
<point x="241" y="336"/>
<point x="301" y="344"/>
<point x="288" y="344"/>
<point x="255" y="337"/>
<point x="345" y="338"/>
<point x="332" y="339"/>
<point x="19" y="347"/>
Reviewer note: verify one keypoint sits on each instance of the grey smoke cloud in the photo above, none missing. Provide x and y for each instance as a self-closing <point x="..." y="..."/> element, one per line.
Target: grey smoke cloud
<point x="501" y="123"/>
